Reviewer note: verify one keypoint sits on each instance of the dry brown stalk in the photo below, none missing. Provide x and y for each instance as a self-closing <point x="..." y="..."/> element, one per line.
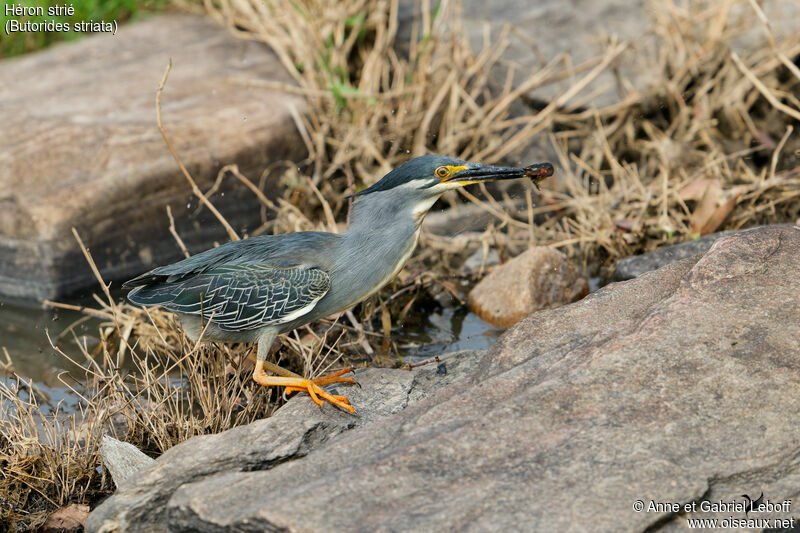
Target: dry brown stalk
<point x="195" y="189"/>
<point x="174" y="233"/>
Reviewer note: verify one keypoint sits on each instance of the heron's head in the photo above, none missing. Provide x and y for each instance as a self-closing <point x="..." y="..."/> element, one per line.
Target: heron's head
<point x="433" y="175"/>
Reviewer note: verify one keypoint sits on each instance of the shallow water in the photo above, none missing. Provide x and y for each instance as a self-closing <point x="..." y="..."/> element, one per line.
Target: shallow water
<point x="24" y="334"/>
<point x="447" y="330"/>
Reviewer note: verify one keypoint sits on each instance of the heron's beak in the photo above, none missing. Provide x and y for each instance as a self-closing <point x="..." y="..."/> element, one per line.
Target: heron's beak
<point x="476" y="173"/>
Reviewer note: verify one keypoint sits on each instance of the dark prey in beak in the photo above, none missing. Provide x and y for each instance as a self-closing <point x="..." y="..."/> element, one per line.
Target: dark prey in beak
<point x="478" y="172"/>
<point x="538" y="172"/>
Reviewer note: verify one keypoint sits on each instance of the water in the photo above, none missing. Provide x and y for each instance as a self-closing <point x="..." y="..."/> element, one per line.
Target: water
<point x="429" y="331"/>
<point x="448" y="329"/>
<point x="24" y="334"/>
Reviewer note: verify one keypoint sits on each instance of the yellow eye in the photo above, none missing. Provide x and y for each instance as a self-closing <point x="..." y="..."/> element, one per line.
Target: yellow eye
<point x="442" y="172"/>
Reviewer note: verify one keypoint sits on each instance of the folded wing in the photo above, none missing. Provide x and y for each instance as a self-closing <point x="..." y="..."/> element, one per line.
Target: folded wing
<point x="235" y="296"/>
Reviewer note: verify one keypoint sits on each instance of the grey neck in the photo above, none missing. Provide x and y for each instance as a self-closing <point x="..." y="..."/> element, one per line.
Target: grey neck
<point x="382" y="210"/>
<point x="382" y="233"/>
<point x="382" y="228"/>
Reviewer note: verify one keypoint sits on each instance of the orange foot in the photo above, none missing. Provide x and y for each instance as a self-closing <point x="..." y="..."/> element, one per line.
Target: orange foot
<point x="312" y="386"/>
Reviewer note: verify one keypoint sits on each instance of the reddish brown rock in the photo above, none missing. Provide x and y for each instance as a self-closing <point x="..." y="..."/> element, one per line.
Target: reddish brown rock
<point x="540" y="278"/>
<point x="80" y="147"/>
<point x="69" y="519"/>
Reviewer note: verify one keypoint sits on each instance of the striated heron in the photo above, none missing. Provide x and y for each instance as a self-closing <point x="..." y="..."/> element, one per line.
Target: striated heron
<point x="254" y="289"/>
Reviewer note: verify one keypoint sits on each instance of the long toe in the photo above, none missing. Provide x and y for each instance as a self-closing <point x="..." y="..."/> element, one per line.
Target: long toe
<point x="290" y="390"/>
<point x="338" y="401"/>
<point x="318" y="394"/>
<point x="334" y="378"/>
<point x="309" y="386"/>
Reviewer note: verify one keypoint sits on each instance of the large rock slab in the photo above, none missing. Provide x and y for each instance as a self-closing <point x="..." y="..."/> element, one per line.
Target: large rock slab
<point x="80" y="147"/>
<point x="552" y="28"/>
<point x="582" y="29"/>
<point x="293" y="431"/>
<point x="677" y="386"/>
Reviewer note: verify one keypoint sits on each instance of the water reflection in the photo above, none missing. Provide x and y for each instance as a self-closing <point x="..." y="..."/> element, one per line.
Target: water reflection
<point x="24" y="336"/>
<point x="446" y="329"/>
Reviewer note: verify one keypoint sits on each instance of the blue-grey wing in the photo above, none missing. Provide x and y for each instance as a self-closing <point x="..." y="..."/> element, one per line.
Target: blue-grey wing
<point x="241" y="296"/>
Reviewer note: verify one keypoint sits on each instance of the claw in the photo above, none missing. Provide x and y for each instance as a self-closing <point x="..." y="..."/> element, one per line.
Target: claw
<point x="311" y="386"/>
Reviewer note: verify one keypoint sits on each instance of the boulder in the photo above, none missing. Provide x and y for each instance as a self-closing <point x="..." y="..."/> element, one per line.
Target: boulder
<point x="461" y="218"/>
<point x="576" y="28"/>
<point x="678" y="386"/>
<point x="581" y="29"/>
<point x="81" y="148"/>
<point x="636" y="265"/>
<point x="540" y="278"/>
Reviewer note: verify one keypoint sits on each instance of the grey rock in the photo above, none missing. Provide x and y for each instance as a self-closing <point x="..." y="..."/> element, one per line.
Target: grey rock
<point x="80" y="147"/>
<point x="292" y="432"/>
<point x="581" y="28"/>
<point x="462" y="218"/>
<point x="636" y="265"/>
<point x="576" y="27"/>
<point x="678" y="385"/>
<point x="122" y="460"/>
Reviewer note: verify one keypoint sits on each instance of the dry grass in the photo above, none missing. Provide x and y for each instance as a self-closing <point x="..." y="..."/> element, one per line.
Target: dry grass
<point x="144" y="383"/>
<point x="155" y="392"/>
<point x="715" y="121"/>
<point x="703" y="149"/>
<point x="711" y="145"/>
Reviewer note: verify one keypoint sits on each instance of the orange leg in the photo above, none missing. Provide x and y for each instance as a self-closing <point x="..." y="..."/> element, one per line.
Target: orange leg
<point x="330" y="378"/>
<point x="326" y="380"/>
<point x="311" y="386"/>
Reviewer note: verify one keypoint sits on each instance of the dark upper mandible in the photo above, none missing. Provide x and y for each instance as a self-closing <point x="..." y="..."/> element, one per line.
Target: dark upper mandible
<point x="422" y="167"/>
